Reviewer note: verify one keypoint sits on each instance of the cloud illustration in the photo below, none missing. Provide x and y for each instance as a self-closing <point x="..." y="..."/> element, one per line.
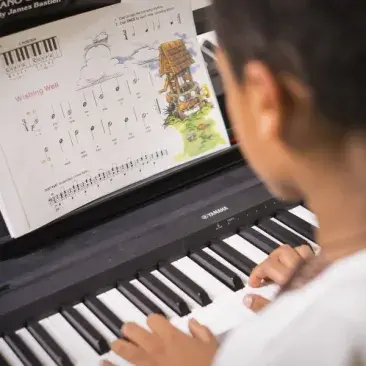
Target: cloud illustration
<point x="100" y="65"/>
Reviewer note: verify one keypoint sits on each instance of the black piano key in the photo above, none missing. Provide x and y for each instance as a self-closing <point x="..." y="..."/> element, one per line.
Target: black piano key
<point x="280" y="233"/>
<point x="11" y="58"/>
<point x="53" y="39"/>
<point x="24" y="354"/>
<point x="22" y="55"/>
<point x="45" y="45"/>
<point x="260" y="241"/>
<point x="3" y="362"/>
<point x="165" y="294"/>
<point x="218" y="270"/>
<point x="33" y="50"/>
<point x="238" y="260"/>
<point x="38" y="49"/>
<point x="49" y="345"/>
<point x="86" y="330"/>
<point x="49" y="44"/>
<point x="297" y="224"/>
<point x="210" y="46"/>
<point x="144" y="304"/>
<point x="17" y="54"/>
<point x="196" y="292"/>
<point x="109" y="319"/>
<point x="6" y="59"/>
<point x="26" y="52"/>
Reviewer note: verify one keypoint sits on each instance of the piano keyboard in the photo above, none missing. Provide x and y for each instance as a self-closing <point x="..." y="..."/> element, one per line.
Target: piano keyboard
<point x="31" y="54"/>
<point x="208" y="284"/>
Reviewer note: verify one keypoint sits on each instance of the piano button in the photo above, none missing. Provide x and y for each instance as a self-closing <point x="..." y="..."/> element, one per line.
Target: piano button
<point x="21" y="350"/>
<point x="192" y="305"/>
<point x="50" y="346"/>
<point x="106" y="316"/>
<point x="122" y="307"/>
<point x="95" y="322"/>
<point x="260" y="241"/>
<point x="234" y="257"/>
<point x="182" y="281"/>
<point x="165" y="294"/>
<point x="298" y="225"/>
<point x="87" y="331"/>
<point x="214" y="288"/>
<point x="305" y="214"/>
<point x="36" y="348"/>
<point x="246" y="248"/>
<point x="69" y="340"/>
<point x="218" y="270"/>
<point x="9" y="355"/>
<point x="3" y="361"/>
<point x="280" y="233"/>
<point x="137" y="298"/>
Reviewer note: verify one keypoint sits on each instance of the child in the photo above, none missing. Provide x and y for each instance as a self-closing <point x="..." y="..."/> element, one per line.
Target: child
<point x="294" y="76"/>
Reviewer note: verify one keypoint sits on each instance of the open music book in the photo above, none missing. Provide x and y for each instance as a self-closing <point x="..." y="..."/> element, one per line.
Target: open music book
<point x="96" y="102"/>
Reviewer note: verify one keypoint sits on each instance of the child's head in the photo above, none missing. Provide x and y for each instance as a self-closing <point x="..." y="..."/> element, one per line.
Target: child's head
<point x="294" y="73"/>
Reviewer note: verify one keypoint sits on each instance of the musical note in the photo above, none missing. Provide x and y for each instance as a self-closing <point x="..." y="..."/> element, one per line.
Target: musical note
<point x="85" y="102"/>
<point x="69" y="112"/>
<point x="76" y="133"/>
<point x="125" y="34"/>
<point x="147" y="27"/>
<point x="109" y="127"/>
<point x="61" y="141"/>
<point x="53" y="115"/>
<point x="171" y="21"/>
<point x="179" y="19"/>
<point x="101" y="95"/>
<point x="92" y="131"/>
<point x="117" y="87"/>
<point x="46" y="153"/>
<point x="144" y="115"/>
<point x="133" y="33"/>
<point x="136" y="79"/>
<point x="158" y="23"/>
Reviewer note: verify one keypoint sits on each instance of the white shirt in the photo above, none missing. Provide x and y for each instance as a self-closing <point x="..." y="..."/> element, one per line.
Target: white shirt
<point x="322" y="324"/>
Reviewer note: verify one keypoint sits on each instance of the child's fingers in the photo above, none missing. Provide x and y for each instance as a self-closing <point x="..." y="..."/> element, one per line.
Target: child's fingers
<point x="201" y="332"/>
<point x="305" y="251"/>
<point x="270" y="269"/>
<point x="255" y="302"/>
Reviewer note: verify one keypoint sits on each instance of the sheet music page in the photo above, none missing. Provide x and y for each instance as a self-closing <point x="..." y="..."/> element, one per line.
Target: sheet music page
<point x="95" y="102"/>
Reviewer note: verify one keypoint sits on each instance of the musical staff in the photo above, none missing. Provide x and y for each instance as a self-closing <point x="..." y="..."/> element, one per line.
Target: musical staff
<point x="116" y="170"/>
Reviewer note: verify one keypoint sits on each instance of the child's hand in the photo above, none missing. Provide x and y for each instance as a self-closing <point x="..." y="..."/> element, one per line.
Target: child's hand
<point x="278" y="268"/>
<point x="165" y="345"/>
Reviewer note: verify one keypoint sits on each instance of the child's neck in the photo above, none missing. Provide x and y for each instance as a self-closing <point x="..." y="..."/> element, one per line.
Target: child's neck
<point x="341" y="211"/>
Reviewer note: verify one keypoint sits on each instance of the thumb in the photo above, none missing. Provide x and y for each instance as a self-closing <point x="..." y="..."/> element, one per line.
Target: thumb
<point x="255" y="302"/>
<point x="201" y="332"/>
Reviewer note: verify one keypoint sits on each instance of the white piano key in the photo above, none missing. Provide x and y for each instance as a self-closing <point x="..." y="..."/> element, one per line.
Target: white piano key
<point x="214" y="255"/>
<point x="70" y="341"/>
<point x="35" y="347"/>
<point x="305" y="214"/>
<point x="8" y="354"/>
<point x="210" y="284"/>
<point x="95" y="322"/>
<point x="122" y="307"/>
<point x="244" y="247"/>
<point x="144" y="290"/>
<point x="190" y="302"/>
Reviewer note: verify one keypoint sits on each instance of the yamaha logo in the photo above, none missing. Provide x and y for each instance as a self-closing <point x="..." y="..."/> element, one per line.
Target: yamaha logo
<point x="214" y="213"/>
